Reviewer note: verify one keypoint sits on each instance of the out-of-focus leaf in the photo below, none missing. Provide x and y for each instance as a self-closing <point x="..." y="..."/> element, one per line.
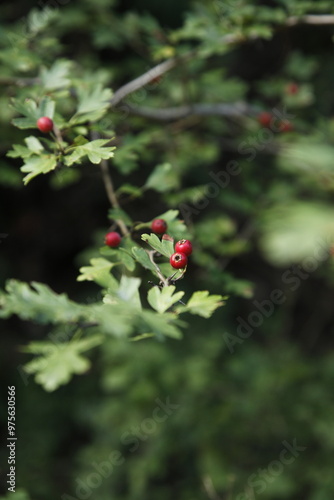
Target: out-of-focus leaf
<point x="162" y="299"/>
<point x="95" y="150"/>
<point x="297" y="231"/>
<point x="163" y="178"/>
<point x="202" y="304"/>
<point x="60" y="361"/>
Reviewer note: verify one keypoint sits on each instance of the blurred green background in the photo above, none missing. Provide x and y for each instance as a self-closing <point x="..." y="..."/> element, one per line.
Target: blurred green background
<point x="239" y="395"/>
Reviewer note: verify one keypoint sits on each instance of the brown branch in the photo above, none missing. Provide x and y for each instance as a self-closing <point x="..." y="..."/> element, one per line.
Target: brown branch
<point x="209" y="488"/>
<point x="310" y="19"/>
<point x="109" y="187"/>
<point x="236" y="110"/>
<point x="230" y="39"/>
<point x="145" y="78"/>
<point x="19" y="82"/>
<point x="160" y="69"/>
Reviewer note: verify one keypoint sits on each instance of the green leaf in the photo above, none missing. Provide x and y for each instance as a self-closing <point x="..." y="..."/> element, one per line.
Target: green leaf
<point x="59" y="362"/>
<point x="126" y="259"/>
<point x="34" y="144"/>
<point x="57" y="76"/>
<point x="162" y="299"/>
<point x="130" y="151"/>
<point x="114" y="317"/>
<point x="161" y="325"/>
<point x="24" y="123"/>
<point x="38" y="303"/>
<point x="129" y="189"/>
<point x="202" y="304"/>
<point x="31" y="112"/>
<point x="20" y="494"/>
<point x="39" y="19"/>
<point x="64" y="177"/>
<point x="129" y="290"/>
<point x="192" y="194"/>
<point x="38" y="165"/>
<point x="313" y="161"/>
<point x="95" y="151"/>
<point x="163" y="178"/>
<point x="212" y="230"/>
<point x="27" y="108"/>
<point x="46" y="107"/>
<point x="296" y="231"/>
<point x="99" y="271"/>
<point x="165" y="247"/>
<point x="119" y="214"/>
<point x="19" y="151"/>
<point x="142" y="257"/>
<point x="119" y="256"/>
<point x="93" y="103"/>
<point x="92" y="100"/>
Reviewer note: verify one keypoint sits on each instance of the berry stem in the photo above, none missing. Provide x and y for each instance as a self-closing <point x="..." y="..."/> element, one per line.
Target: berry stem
<point x="163" y="280"/>
<point x="58" y="138"/>
<point x="109" y="187"/>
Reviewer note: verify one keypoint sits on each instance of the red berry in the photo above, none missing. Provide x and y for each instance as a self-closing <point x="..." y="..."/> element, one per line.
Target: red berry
<point x="159" y="226"/>
<point x="184" y="246"/>
<point x="292" y="88"/>
<point x="178" y="260"/>
<point x="286" y="127"/>
<point x="112" y="239"/>
<point x="265" y="118"/>
<point x="45" y="124"/>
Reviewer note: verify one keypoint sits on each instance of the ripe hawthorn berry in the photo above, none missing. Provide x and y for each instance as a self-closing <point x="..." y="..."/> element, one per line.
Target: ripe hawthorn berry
<point x="184" y="246"/>
<point x="286" y="127"/>
<point x="292" y="88"/>
<point x="178" y="260"/>
<point x="159" y="226"/>
<point x="44" y="124"/>
<point x="113" y="239"/>
<point x="265" y="118"/>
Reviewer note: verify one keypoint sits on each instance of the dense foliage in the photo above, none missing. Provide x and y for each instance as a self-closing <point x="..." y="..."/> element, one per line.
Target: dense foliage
<point x="132" y="380"/>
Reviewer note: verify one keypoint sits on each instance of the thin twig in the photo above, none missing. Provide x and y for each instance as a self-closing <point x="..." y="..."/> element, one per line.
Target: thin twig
<point x="145" y="78"/>
<point x="237" y="110"/>
<point x="310" y="19"/>
<point x="58" y="138"/>
<point x="209" y="488"/>
<point x="230" y="39"/>
<point x="163" y="280"/>
<point x="109" y="187"/>
<point x="164" y="67"/>
<point x="19" y="82"/>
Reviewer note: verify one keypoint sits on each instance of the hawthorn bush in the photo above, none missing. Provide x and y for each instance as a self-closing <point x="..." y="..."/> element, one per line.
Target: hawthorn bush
<point x="126" y="130"/>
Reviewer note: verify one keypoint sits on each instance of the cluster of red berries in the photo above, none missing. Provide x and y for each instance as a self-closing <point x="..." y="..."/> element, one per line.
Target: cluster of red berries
<point x="266" y="120"/>
<point x="113" y="238"/>
<point x="183" y="248"/>
<point x="44" y="124"/>
<point x="179" y="259"/>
